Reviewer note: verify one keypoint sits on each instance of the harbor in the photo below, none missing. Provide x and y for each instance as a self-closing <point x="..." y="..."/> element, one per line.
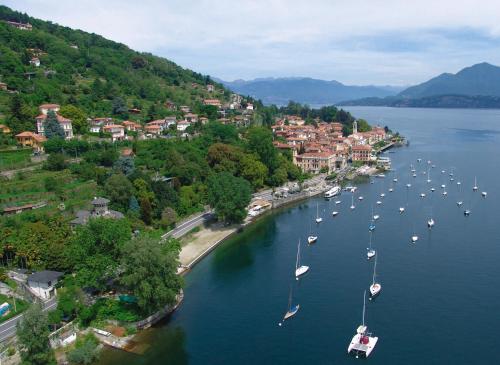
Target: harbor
<point x="244" y="283"/>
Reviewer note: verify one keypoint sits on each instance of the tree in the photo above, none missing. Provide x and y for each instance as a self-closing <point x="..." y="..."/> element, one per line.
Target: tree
<point x="77" y="116"/>
<point x="260" y="141"/>
<point x="119" y="189"/>
<point x="55" y="162"/>
<point x="150" y="271"/>
<point x="33" y="336"/>
<point x="146" y="211"/>
<point x="253" y="170"/>
<point x="229" y="196"/>
<point x="168" y="217"/>
<point x="85" y="351"/>
<point x="118" y="106"/>
<point x="125" y="165"/>
<point x="133" y="205"/>
<point x="95" y="250"/>
<point x="52" y="127"/>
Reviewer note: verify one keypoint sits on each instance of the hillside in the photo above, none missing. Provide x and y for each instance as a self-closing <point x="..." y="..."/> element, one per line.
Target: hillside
<point x="89" y="71"/>
<point x="280" y="91"/>
<point x="479" y="79"/>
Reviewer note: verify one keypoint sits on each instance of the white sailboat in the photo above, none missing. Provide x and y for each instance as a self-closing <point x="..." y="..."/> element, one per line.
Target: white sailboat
<point x="299" y="269"/>
<point x="292" y="310"/>
<point x="430" y="221"/>
<point x="362" y="344"/>
<point x="375" y="288"/>
<point x="352" y="202"/>
<point x="311" y="238"/>
<point x="401" y="210"/>
<point x="428" y="176"/>
<point x="414" y="237"/>
<point x="474" y="188"/>
<point x="318" y="218"/>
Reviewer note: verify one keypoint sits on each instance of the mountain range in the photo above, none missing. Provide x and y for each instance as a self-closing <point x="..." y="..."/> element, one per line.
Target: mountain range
<point x="305" y="90"/>
<point x="477" y="86"/>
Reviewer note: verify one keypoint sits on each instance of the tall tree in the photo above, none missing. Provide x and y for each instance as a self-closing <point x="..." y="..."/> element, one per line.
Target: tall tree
<point x="52" y="127"/>
<point x="229" y="196"/>
<point x="32" y="333"/>
<point x="150" y="271"/>
<point x="77" y="116"/>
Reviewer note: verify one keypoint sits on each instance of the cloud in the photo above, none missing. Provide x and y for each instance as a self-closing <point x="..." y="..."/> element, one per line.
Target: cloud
<point x="356" y="41"/>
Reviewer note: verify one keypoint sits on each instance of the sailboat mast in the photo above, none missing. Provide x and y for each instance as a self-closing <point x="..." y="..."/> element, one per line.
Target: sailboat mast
<point x="298" y="256"/>
<point x="364" y="305"/>
<point x="374" y="270"/>
<point x="290" y="298"/>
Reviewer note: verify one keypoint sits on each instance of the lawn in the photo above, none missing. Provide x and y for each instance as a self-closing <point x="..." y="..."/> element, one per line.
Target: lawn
<point x="20" y="305"/>
<point x="13" y="159"/>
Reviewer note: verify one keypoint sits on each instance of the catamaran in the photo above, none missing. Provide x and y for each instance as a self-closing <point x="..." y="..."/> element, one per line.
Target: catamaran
<point x="292" y="310"/>
<point x="299" y="269"/>
<point x="362" y="344"/>
<point x="375" y="288"/>
<point x="318" y="218"/>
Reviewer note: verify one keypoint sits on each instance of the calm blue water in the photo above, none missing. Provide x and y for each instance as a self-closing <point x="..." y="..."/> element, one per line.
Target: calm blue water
<point x="439" y="296"/>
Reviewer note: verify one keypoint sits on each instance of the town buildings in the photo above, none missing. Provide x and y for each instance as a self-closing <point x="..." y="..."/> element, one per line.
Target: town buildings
<point x="30" y="139"/>
<point x="99" y="209"/>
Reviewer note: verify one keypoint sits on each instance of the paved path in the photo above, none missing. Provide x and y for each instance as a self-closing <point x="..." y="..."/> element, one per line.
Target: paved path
<point x="8" y="328"/>
<point x="184" y="227"/>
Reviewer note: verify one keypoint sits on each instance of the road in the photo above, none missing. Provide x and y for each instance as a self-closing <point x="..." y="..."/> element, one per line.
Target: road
<point x="8" y="328"/>
<point x="184" y="227"/>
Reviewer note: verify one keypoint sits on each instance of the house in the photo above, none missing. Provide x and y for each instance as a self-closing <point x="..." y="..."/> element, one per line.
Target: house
<point x="161" y="123"/>
<point x="64" y="122"/>
<point x="210" y="88"/>
<point x="132" y="126"/>
<point x="361" y="153"/>
<point x="203" y="120"/>
<point x="170" y="105"/>
<point x="153" y="130"/>
<point x="96" y="124"/>
<point x="249" y="106"/>
<point x="190" y="117"/>
<point x="314" y="162"/>
<point x="99" y="209"/>
<point x="213" y="102"/>
<point x="22" y="26"/>
<point x="185" y="109"/>
<point x="21" y="208"/>
<point x="4" y="129"/>
<point x="35" y="61"/>
<point x="117" y="131"/>
<point x="30" y="139"/>
<point x="3" y="86"/>
<point x="183" y="125"/>
<point x="43" y="283"/>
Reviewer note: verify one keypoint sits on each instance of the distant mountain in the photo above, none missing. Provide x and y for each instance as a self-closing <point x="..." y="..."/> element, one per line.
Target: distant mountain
<point x="477" y="86"/>
<point x="479" y="79"/>
<point x="305" y="90"/>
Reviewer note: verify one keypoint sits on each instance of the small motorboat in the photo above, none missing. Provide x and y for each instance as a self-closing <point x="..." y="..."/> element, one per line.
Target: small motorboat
<point x="408" y="185"/>
<point x="443" y="186"/>
<point x="337" y="202"/>
<point x="395" y="179"/>
<point x="430" y="223"/>
<point x="442" y="171"/>
<point x="379" y="202"/>
<point x="445" y="193"/>
<point x="391" y="190"/>
<point x="433" y="190"/>
<point x="459" y="183"/>
<point x="312" y="239"/>
<point x="375" y="217"/>
<point x="414" y="175"/>
<point x="382" y="195"/>
<point x="401" y="210"/>
<point x="414" y="238"/>
<point x="319" y="220"/>
<point x="466" y="212"/>
<point x="459" y="203"/>
<point x="360" y="198"/>
<point x="422" y="195"/>
<point x="484" y="194"/>
<point x="335" y="213"/>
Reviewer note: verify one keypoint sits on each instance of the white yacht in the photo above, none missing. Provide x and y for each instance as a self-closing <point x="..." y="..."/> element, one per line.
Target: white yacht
<point x="370" y="252"/>
<point x="318" y="218"/>
<point x="362" y="344"/>
<point x="360" y="198"/>
<point x="352" y="202"/>
<point x="332" y="192"/>
<point x="299" y="269"/>
<point x="312" y="239"/>
<point x="337" y="202"/>
<point x="379" y="202"/>
<point x="474" y="188"/>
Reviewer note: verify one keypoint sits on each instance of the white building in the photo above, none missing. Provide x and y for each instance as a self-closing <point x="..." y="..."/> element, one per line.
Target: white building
<point x="65" y="123"/>
<point x="43" y="283"/>
<point x="117" y="131"/>
<point x="183" y="125"/>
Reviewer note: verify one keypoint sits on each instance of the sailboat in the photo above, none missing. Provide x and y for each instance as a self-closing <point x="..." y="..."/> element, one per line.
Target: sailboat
<point x="300" y="269"/>
<point x="474" y="188"/>
<point x="318" y="218"/>
<point x="362" y="343"/>
<point x="414" y="237"/>
<point x="370" y="252"/>
<point x="375" y="288"/>
<point x="311" y="238"/>
<point x="430" y="221"/>
<point x="352" y="202"/>
<point x="428" y="176"/>
<point x="292" y="310"/>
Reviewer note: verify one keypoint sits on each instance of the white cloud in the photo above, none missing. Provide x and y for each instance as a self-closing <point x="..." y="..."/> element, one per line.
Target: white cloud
<point x="356" y="41"/>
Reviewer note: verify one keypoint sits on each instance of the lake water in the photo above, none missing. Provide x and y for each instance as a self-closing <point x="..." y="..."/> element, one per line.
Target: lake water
<point x="439" y="296"/>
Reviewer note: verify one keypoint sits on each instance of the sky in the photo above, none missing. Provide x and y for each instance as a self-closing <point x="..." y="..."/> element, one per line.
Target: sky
<point x="357" y="42"/>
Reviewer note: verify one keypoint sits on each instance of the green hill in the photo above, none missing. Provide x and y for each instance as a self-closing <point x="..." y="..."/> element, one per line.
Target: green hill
<point x="90" y="72"/>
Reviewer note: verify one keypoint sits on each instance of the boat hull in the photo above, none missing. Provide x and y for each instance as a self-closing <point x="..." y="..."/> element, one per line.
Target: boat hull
<point x="359" y="349"/>
<point x="301" y="270"/>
